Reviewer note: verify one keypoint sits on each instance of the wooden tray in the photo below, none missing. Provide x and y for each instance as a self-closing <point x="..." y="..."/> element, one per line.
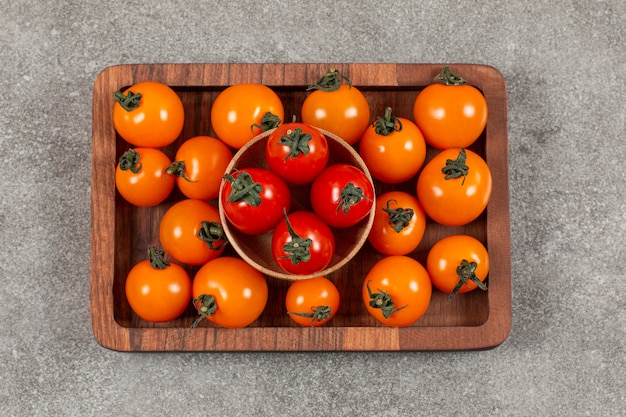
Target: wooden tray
<point x="121" y="233"/>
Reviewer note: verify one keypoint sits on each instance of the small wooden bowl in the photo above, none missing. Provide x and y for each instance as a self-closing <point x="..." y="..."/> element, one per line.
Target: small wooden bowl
<point x="256" y="250"/>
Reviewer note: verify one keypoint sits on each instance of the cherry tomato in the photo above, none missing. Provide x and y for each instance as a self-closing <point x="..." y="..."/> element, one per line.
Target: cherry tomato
<point x="312" y="302"/>
<point x="342" y="195"/>
<point x="156" y="290"/>
<point x="458" y="264"/>
<point x="393" y="149"/>
<point x="399" y="223"/>
<point x="254" y="200"/>
<point x="191" y="232"/>
<point x="451" y="114"/>
<point x="454" y="187"/>
<point x="302" y="244"/>
<point x="141" y="178"/>
<point x="200" y="164"/>
<point x="229" y="292"/>
<point x="338" y="108"/>
<point x="297" y="152"/>
<point x="397" y="291"/>
<point x="242" y="111"/>
<point x="148" y="114"/>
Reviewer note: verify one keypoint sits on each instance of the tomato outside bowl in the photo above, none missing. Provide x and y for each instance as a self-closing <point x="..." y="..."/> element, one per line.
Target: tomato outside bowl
<point x="257" y="250"/>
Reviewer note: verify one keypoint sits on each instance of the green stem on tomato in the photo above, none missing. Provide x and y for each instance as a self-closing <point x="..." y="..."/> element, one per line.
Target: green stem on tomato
<point x="129" y="161"/>
<point x="382" y="300"/>
<point x="449" y="78"/>
<point x="399" y="218"/>
<point x="177" y="168"/>
<point x="212" y="232"/>
<point x="129" y="101"/>
<point x="268" y="121"/>
<point x="297" y="141"/>
<point x="350" y="195"/>
<point x="456" y="168"/>
<point x="319" y="313"/>
<point x="331" y="81"/>
<point x="206" y="306"/>
<point x="466" y="271"/>
<point x="386" y="125"/>
<point x="244" y="189"/>
<point x="157" y="258"/>
<point x="298" y="248"/>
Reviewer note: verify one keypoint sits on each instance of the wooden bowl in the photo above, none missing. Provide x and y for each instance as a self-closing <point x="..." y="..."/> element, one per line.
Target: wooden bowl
<point x="256" y="250"/>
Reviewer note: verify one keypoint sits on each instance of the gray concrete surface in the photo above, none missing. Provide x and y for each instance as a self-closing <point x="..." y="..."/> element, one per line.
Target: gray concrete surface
<point x="564" y="63"/>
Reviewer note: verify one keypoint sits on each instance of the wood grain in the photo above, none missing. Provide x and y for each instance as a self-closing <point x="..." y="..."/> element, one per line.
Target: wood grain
<point x="121" y="233"/>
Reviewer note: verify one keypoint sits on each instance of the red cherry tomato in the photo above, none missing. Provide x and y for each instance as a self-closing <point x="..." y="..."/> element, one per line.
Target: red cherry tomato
<point x="342" y="195"/>
<point x="254" y="200"/>
<point x="297" y="152"/>
<point x="141" y="177"/>
<point x="312" y="302"/>
<point x="156" y="290"/>
<point x="302" y="244"/>
<point x="148" y="114"/>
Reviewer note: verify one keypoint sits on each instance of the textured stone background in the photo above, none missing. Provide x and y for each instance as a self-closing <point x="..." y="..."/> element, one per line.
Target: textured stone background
<point x="564" y="63"/>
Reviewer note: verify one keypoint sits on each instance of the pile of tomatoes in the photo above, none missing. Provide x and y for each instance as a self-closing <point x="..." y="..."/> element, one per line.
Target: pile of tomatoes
<point x="453" y="189"/>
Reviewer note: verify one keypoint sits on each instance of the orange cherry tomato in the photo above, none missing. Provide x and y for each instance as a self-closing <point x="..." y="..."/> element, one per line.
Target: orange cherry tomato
<point x="191" y="232"/>
<point x="200" y="163"/>
<point x="240" y="112"/>
<point x="393" y="149"/>
<point x="454" y="187"/>
<point x="450" y="114"/>
<point x="229" y="292"/>
<point x="458" y="264"/>
<point x="397" y="291"/>
<point x="312" y="302"/>
<point x="141" y="177"/>
<point x="156" y="290"/>
<point x="399" y="223"/>
<point x="339" y="108"/>
<point x="148" y="114"/>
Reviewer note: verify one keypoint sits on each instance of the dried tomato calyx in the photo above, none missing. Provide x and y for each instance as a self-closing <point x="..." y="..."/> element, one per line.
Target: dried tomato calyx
<point x="383" y="301"/>
<point x="386" y="125"/>
<point x="298" y="248"/>
<point x="268" y="121"/>
<point x="206" y="306"/>
<point x="211" y="233"/>
<point x="157" y="258"/>
<point x="129" y="101"/>
<point x="349" y="196"/>
<point x="456" y="168"/>
<point x="129" y="161"/>
<point x="466" y="271"/>
<point x="449" y="78"/>
<point x="319" y="313"/>
<point x="297" y="141"/>
<point x="331" y="81"/>
<point x="244" y="189"/>
<point x="399" y="218"/>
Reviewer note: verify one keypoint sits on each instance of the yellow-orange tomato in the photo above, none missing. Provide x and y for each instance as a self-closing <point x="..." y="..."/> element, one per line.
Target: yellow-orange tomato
<point x="312" y="302"/>
<point x="454" y="187"/>
<point x="458" y="264"/>
<point x="141" y="177"/>
<point x="393" y="149"/>
<point x="200" y="163"/>
<point x="399" y="223"/>
<point x="397" y="291"/>
<point x="148" y="114"/>
<point x="238" y="113"/>
<point x="229" y="292"/>
<point x="341" y="109"/>
<point x="450" y="114"/>
<point x="191" y="232"/>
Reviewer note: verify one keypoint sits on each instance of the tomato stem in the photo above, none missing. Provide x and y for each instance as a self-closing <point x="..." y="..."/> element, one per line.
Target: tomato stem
<point x="129" y="101"/>
<point x="177" y="168"/>
<point x="331" y="81"/>
<point x="157" y="258"/>
<point x="268" y="121"/>
<point x="466" y="271"/>
<point x="319" y="313"/>
<point x="383" y="301"/>
<point x="386" y="125"/>
<point x="206" y="306"/>
<point x="297" y="141"/>
<point x="244" y="189"/>
<point x="298" y="248"/>
<point x="350" y="195"/>
<point x="399" y="218"/>
<point x="456" y="168"/>
<point x="130" y="161"/>
<point x="212" y="232"/>
<point x="448" y="78"/>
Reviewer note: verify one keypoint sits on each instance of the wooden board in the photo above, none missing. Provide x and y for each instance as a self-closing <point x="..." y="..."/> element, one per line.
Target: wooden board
<point x="121" y="233"/>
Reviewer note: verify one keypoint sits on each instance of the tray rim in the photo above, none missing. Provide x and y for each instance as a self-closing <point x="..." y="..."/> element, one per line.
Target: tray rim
<point x="110" y="334"/>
